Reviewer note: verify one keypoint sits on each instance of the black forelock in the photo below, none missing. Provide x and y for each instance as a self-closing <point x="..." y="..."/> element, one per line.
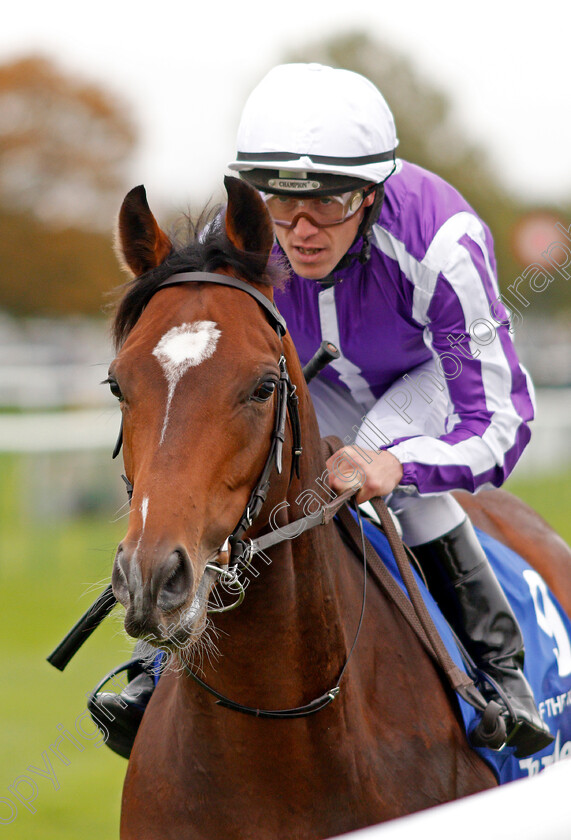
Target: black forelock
<point x="204" y="246"/>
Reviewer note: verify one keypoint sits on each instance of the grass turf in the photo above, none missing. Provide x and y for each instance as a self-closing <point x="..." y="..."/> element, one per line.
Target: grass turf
<point x="50" y="572"/>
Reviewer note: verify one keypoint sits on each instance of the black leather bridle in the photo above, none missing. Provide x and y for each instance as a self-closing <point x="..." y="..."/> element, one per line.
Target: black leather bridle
<point x="240" y="550"/>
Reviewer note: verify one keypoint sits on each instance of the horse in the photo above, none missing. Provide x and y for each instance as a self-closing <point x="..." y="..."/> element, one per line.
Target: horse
<point x="202" y="359"/>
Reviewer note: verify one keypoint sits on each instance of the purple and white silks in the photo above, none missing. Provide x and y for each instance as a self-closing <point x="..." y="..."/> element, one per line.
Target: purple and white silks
<point x="428" y="292"/>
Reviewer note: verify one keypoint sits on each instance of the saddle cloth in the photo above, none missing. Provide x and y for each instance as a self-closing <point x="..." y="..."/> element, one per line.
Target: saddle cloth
<point x="547" y="637"/>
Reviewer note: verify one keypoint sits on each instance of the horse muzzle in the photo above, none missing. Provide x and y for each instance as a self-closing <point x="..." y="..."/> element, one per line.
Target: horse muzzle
<point x="156" y="601"/>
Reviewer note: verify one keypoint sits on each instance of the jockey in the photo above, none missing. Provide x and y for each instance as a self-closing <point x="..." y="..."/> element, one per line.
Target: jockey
<point x="393" y="266"/>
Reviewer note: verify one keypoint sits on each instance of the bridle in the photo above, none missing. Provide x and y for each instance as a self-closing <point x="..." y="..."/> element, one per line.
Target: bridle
<point x="491" y="729"/>
<point x="241" y="551"/>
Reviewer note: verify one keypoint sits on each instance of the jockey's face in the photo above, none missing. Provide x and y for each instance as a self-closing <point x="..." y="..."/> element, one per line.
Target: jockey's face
<point x="314" y="251"/>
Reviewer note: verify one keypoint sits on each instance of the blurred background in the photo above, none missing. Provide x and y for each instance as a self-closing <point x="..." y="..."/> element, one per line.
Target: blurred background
<point x="94" y="100"/>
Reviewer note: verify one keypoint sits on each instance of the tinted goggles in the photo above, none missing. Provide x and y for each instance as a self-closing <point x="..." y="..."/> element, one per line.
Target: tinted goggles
<point x="322" y="211"/>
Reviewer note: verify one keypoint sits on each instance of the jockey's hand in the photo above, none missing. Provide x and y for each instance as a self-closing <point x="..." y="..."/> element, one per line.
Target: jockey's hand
<point x="376" y="473"/>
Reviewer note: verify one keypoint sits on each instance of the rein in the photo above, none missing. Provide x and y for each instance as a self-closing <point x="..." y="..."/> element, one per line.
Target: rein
<point x="322" y="517"/>
<point x="242" y="552"/>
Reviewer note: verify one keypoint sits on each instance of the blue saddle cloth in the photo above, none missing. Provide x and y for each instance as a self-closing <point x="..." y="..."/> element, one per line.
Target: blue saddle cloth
<point x="547" y="636"/>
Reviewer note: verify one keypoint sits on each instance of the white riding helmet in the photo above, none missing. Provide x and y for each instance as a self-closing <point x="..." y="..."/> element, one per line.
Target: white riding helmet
<point x="312" y="128"/>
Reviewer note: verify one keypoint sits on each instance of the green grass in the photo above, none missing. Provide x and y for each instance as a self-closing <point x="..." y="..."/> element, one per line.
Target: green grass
<point x="50" y="572"/>
<point x="549" y="495"/>
<point x="46" y="588"/>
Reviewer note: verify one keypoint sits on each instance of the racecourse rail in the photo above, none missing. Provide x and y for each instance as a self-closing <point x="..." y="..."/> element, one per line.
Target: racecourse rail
<point x="97" y="428"/>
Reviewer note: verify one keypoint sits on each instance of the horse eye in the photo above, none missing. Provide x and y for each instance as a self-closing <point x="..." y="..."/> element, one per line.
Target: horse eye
<point x="264" y="390"/>
<point x="113" y="387"/>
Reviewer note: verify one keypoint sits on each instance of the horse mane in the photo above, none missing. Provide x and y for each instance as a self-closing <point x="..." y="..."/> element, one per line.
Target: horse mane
<point x="205" y="247"/>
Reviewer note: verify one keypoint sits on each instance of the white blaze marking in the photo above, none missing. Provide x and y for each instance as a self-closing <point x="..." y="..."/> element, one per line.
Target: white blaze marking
<point x="144" y="511"/>
<point x="181" y="348"/>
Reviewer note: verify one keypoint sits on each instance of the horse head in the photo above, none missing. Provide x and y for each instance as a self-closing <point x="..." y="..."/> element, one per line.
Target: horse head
<point x="198" y="372"/>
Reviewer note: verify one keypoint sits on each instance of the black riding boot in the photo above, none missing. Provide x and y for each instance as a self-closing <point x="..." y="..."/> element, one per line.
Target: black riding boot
<point x="118" y="716"/>
<point x="461" y="580"/>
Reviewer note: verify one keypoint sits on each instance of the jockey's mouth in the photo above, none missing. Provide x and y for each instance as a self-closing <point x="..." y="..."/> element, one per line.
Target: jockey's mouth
<point x="308" y="254"/>
<point x="308" y="251"/>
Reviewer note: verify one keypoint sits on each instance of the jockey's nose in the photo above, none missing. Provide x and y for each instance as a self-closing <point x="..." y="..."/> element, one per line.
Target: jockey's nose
<point x="304" y="227"/>
<point x="166" y="588"/>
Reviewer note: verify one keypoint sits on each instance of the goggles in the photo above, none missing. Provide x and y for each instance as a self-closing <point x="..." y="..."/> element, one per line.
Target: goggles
<point x="322" y="211"/>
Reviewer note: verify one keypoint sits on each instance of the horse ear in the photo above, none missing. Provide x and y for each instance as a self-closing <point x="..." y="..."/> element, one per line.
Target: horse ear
<point x="141" y="244"/>
<point x="248" y="224"/>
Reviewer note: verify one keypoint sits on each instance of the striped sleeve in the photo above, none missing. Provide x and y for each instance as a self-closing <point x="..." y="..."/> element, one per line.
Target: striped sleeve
<point x="490" y="394"/>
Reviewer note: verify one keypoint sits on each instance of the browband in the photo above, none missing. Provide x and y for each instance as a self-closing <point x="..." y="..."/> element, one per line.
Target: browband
<point x="267" y="305"/>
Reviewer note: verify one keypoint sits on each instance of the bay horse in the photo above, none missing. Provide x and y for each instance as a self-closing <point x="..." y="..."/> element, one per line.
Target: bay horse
<point x="198" y="372"/>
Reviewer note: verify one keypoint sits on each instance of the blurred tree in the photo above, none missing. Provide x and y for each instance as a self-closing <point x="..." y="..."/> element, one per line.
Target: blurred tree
<point x="429" y="137"/>
<point x="54" y="271"/>
<point x="63" y="144"/>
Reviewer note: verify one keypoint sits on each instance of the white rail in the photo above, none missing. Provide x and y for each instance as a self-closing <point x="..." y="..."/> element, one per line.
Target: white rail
<point x="61" y="431"/>
<point x="95" y="428"/>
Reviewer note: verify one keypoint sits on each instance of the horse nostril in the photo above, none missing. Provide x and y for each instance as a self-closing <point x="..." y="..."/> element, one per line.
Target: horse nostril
<point x="120" y="578"/>
<point x="177" y="582"/>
